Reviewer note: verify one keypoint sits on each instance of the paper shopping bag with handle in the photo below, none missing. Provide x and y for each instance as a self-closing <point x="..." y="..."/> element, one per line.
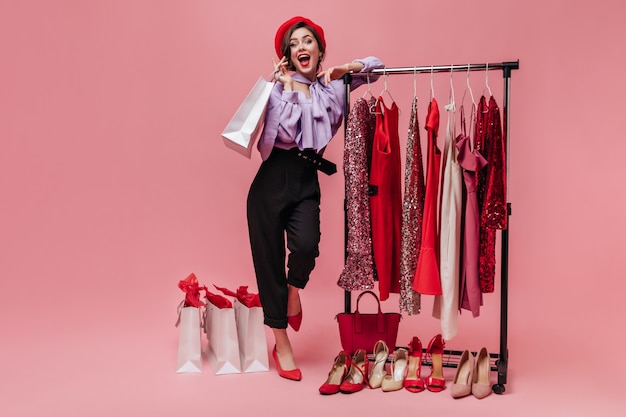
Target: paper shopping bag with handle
<point x="189" y="356"/>
<point x="245" y="127"/>
<point x="250" y="330"/>
<point x="221" y="330"/>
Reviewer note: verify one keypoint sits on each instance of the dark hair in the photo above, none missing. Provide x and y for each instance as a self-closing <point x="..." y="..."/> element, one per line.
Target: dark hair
<point x="287" y="50"/>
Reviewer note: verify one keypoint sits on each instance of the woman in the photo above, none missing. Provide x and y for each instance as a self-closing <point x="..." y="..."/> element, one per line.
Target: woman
<point x="304" y="112"/>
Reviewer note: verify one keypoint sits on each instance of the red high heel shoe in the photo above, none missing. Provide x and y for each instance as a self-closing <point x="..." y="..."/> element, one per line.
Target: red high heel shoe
<point x="413" y="382"/>
<point x="357" y="376"/>
<point x="293" y="374"/>
<point x="296" y="320"/>
<point x="436" y="382"/>
<point x="337" y="374"/>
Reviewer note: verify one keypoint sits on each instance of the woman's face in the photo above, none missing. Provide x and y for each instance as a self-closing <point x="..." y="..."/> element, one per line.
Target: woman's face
<point x="305" y="52"/>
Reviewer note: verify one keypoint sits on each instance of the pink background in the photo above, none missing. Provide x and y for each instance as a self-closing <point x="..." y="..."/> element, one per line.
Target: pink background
<point x="115" y="184"/>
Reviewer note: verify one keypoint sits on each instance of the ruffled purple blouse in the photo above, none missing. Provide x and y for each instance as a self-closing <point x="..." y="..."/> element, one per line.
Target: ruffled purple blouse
<point x="292" y="119"/>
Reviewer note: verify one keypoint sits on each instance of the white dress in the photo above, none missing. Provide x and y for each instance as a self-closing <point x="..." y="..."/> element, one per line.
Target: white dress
<point x="446" y="305"/>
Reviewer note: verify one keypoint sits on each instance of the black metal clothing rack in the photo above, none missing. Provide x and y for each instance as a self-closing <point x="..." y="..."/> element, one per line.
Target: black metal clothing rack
<point x="451" y="357"/>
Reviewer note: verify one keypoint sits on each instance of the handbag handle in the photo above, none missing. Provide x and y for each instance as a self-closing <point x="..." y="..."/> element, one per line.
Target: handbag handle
<point x="373" y="295"/>
<point x="380" y="319"/>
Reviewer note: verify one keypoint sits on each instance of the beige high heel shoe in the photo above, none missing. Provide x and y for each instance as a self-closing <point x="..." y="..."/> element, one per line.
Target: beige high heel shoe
<point x="462" y="383"/>
<point x="377" y="371"/>
<point x="395" y="381"/>
<point x="481" y="382"/>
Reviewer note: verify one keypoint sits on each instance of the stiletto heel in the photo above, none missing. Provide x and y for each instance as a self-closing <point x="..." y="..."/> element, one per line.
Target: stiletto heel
<point x="462" y="384"/>
<point x="436" y="382"/>
<point x="395" y="381"/>
<point x="293" y="374"/>
<point x="377" y="372"/>
<point x="413" y="382"/>
<point x="481" y="382"/>
<point x="337" y="374"/>
<point x="357" y="376"/>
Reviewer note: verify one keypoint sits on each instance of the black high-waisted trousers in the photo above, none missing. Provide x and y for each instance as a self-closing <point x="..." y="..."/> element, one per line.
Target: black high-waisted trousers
<point x="284" y="200"/>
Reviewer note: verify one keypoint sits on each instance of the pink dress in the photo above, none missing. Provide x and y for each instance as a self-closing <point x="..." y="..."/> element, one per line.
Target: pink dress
<point x="472" y="162"/>
<point x="358" y="272"/>
<point x="446" y="305"/>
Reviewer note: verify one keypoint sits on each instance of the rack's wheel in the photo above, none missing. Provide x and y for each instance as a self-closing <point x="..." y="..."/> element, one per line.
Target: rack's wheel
<point x="498" y="388"/>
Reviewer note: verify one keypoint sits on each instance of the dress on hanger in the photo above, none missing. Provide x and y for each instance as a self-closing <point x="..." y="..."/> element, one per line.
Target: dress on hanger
<point x="491" y="188"/>
<point x="472" y="162"/>
<point x="494" y="208"/>
<point x="426" y="279"/>
<point x="412" y="215"/>
<point x="445" y="306"/>
<point x="358" y="272"/>
<point x="494" y="213"/>
<point x="386" y="203"/>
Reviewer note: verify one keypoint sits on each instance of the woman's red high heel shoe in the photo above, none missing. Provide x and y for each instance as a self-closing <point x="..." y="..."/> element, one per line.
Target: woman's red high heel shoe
<point x="436" y="382"/>
<point x="413" y="382"/>
<point x="357" y="376"/>
<point x="337" y="374"/>
<point x="296" y="320"/>
<point x="293" y="374"/>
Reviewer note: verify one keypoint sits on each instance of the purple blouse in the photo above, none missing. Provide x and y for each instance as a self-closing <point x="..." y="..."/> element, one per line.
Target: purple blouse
<point x="308" y="123"/>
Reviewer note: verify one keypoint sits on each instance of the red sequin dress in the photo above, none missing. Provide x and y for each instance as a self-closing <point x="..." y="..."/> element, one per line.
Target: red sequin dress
<point x="491" y="187"/>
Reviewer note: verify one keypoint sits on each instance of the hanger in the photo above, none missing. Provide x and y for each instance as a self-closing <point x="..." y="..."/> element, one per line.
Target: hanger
<point x="385" y="90"/>
<point x="468" y="87"/>
<point x="369" y="90"/>
<point x="451" y="106"/>
<point x="414" y="83"/>
<point x="487" y="80"/>
<point x="432" y="87"/>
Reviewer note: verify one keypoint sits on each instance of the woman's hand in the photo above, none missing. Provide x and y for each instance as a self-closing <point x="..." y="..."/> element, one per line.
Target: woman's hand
<point x="281" y="74"/>
<point x="335" y="73"/>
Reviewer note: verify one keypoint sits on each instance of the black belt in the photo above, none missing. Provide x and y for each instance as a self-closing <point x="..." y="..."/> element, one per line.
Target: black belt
<point x="311" y="157"/>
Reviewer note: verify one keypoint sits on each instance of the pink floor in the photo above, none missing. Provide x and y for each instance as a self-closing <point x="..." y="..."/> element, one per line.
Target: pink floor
<point x="125" y="365"/>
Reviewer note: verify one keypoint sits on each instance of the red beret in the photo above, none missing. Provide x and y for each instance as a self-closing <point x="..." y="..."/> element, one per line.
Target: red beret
<point x="284" y="28"/>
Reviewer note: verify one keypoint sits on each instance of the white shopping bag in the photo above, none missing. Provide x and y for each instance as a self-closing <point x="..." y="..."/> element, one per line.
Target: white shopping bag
<point x="252" y="341"/>
<point x="189" y="358"/>
<point x="246" y="125"/>
<point x="223" y="348"/>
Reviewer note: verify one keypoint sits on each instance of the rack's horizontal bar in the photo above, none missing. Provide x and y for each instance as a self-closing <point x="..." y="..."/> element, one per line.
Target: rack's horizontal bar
<point x="441" y="68"/>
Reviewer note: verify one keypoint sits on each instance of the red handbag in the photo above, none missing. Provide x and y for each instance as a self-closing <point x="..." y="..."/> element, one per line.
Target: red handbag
<point x="362" y="331"/>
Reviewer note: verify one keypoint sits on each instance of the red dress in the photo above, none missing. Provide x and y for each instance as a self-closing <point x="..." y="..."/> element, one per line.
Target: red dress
<point x="427" y="279"/>
<point x="386" y="204"/>
<point x="491" y="188"/>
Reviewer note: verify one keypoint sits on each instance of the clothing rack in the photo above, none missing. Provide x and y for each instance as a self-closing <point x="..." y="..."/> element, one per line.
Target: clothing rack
<point x="499" y="361"/>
